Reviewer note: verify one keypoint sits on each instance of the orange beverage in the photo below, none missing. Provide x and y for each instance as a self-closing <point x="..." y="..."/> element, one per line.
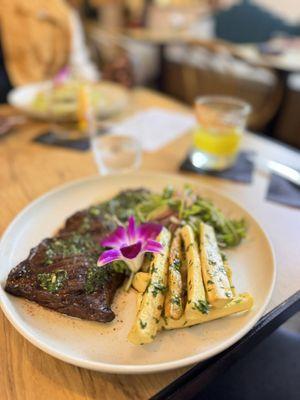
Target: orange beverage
<point x="221" y="122"/>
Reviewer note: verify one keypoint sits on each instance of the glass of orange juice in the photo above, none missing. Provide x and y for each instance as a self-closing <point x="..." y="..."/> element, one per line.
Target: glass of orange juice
<point x="217" y="137"/>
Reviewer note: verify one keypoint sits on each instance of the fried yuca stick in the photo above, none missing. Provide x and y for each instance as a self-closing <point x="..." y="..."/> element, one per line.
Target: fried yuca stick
<point x="214" y="274"/>
<point x="196" y="301"/>
<point x="149" y="312"/>
<point x="140" y="281"/>
<point x="174" y="296"/>
<point x="243" y="302"/>
<point x="229" y="275"/>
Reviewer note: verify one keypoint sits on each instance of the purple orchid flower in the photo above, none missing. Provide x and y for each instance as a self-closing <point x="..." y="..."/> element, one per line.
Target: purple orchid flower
<point x="62" y="76"/>
<point x="130" y="243"/>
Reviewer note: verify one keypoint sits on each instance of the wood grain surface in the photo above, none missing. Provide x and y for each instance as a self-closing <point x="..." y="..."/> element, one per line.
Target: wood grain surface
<point x="27" y="171"/>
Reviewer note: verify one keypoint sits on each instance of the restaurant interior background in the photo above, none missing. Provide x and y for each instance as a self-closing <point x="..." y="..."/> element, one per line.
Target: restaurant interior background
<point x="198" y="47"/>
<point x="187" y="48"/>
<point x="182" y="49"/>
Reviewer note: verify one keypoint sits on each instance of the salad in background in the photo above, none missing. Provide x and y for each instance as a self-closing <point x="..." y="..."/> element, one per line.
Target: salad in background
<point x="61" y="98"/>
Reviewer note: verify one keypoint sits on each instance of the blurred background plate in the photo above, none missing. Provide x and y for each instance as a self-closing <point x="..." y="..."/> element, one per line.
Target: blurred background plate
<point x="109" y="99"/>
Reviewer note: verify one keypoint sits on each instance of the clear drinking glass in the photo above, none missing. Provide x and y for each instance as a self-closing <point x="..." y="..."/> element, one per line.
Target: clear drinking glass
<point x="115" y="153"/>
<point x="217" y="138"/>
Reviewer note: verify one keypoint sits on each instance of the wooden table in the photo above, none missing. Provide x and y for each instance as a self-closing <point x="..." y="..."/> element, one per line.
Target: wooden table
<point x="29" y="169"/>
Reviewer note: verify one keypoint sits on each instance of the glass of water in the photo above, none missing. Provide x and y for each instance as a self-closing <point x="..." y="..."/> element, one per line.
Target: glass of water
<point x="115" y="153"/>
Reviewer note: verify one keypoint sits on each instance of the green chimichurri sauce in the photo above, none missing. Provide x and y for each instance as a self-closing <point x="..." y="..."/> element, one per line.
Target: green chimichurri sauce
<point x="120" y="207"/>
<point x="97" y="276"/>
<point x="75" y="244"/>
<point x="52" y="281"/>
<point x="202" y="306"/>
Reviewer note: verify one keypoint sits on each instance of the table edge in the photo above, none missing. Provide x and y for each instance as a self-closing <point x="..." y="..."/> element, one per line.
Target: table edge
<point x="202" y="374"/>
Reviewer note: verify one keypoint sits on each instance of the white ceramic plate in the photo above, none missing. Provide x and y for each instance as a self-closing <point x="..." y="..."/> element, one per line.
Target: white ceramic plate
<point x="104" y="347"/>
<point x="116" y="99"/>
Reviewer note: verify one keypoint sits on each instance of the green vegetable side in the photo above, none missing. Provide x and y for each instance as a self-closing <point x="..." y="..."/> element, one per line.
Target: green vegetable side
<point x="190" y="208"/>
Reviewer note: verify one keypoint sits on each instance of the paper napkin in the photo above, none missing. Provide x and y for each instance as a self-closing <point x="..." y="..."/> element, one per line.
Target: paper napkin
<point x="155" y="127"/>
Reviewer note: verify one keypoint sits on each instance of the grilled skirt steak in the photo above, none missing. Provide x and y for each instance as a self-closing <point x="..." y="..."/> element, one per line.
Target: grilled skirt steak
<point x="61" y="273"/>
<point x="69" y="283"/>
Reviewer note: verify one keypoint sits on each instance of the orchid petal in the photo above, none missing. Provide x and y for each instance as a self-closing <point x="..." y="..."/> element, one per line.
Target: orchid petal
<point x="131" y="251"/>
<point x="61" y="76"/>
<point x="108" y="256"/>
<point x="150" y="230"/>
<point x="131" y="229"/>
<point x="152" y="246"/>
<point x="116" y="239"/>
<point x="129" y="244"/>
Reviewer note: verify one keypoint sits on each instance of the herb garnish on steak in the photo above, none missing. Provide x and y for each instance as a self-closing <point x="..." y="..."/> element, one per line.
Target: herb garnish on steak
<point x="61" y="273"/>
